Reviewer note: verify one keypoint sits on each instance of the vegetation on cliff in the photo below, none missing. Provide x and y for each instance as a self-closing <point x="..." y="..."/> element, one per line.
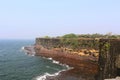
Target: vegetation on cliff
<point x="71" y="40"/>
<point x="84" y="44"/>
<point x="95" y="35"/>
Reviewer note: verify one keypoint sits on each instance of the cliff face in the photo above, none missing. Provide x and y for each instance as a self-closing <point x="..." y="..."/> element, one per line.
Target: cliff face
<point x="48" y="43"/>
<point x="86" y="65"/>
<point x="81" y="47"/>
<point x="109" y="58"/>
<point x="109" y="54"/>
<point x="56" y="43"/>
<point x="63" y="53"/>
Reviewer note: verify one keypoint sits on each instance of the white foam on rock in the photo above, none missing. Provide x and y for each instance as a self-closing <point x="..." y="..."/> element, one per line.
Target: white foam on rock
<point x="23" y="48"/>
<point x="43" y="77"/>
<point x="27" y="52"/>
<point x="50" y="58"/>
<point x="56" y="62"/>
<point x="117" y="78"/>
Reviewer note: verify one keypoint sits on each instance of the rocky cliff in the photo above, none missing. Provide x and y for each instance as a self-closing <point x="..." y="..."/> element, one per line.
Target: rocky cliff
<point x="84" y="54"/>
<point x="109" y="58"/>
<point x="83" y="43"/>
<point x="84" y="64"/>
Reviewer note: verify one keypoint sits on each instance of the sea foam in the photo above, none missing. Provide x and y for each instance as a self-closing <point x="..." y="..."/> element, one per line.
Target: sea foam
<point x="27" y="52"/>
<point x="43" y="77"/>
<point x="23" y="48"/>
<point x="57" y="62"/>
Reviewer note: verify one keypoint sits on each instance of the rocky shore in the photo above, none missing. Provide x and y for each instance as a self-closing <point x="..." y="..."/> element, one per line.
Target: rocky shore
<point x="84" y="67"/>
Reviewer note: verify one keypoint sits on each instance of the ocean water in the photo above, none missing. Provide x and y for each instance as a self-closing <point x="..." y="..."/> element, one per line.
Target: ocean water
<point x="16" y="65"/>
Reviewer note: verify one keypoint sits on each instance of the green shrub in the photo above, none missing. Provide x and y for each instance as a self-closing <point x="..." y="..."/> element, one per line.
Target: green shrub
<point x="70" y="40"/>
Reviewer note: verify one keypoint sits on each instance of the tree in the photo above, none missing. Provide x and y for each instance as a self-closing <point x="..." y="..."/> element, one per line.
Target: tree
<point x="70" y="40"/>
<point x="46" y="37"/>
<point x="71" y="35"/>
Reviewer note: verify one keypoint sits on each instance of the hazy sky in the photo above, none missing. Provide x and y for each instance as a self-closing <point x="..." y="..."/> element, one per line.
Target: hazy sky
<point x="29" y="19"/>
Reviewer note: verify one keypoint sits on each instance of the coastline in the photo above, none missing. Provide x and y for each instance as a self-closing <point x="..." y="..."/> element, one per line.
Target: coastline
<point x="84" y="67"/>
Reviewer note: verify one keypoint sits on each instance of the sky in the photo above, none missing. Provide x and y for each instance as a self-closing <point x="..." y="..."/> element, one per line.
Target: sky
<point x="28" y="19"/>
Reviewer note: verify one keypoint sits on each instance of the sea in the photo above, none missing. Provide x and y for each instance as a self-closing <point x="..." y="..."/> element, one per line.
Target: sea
<point x="16" y="64"/>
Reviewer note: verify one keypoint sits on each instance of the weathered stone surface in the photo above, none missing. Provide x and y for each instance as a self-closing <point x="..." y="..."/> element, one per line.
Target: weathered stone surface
<point x="56" y="42"/>
<point x="118" y="61"/>
<point x="108" y="58"/>
<point x="84" y="67"/>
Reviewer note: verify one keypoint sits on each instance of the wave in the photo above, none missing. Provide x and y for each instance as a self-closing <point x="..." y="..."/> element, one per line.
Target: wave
<point x="57" y="62"/>
<point x="49" y="67"/>
<point x="23" y="48"/>
<point x="47" y="75"/>
<point x="50" y="58"/>
<point x="29" y="51"/>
